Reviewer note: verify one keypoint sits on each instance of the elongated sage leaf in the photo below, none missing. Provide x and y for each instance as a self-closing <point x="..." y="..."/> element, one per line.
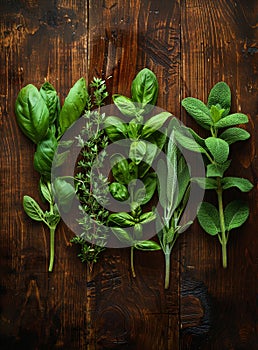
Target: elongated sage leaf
<point x="242" y="184"/>
<point x="236" y="213"/>
<point x="208" y="217"/>
<point x="232" y="135"/>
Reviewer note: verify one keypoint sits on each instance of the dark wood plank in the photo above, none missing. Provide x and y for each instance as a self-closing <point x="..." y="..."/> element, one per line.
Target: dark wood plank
<point x="219" y="42"/>
<point x="39" y="40"/>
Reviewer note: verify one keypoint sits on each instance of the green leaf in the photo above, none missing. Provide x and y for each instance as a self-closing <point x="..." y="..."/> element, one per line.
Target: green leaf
<point x="150" y="183"/>
<point x="51" y="99"/>
<point x="234" y="134"/>
<point x="115" y="128"/>
<point x="199" y="111"/>
<point x="236" y="213"/>
<point x="220" y="95"/>
<point x="120" y="168"/>
<point x="214" y="170"/>
<point x="122" y="235"/>
<point x="125" y="105"/>
<point x="119" y="191"/>
<point x="64" y="194"/>
<point x="145" y="88"/>
<point x="243" y="185"/>
<point x="147" y="217"/>
<point x="74" y="105"/>
<point x="44" y="155"/>
<point x="162" y="182"/>
<point x="137" y="151"/>
<point x="218" y="148"/>
<point x="231" y="120"/>
<point x="44" y="189"/>
<point x="188" y="143"/>
<point x="121" y="219"/>
<point x="208" y="217"/>
<point x="183" y="179"/>
<point x="216" y="113"/>
<point x="147" y="245"/>
<point x="205" y="183"/>
<point x="134" y="129"/>
<point x="32" y="209"/>
<point x="154" y="123"/>
<point x="32" y="113"/>
<point x="147" y="160"/>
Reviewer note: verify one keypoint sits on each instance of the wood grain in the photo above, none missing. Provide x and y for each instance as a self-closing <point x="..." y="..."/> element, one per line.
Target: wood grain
<point x="190" y="45"/>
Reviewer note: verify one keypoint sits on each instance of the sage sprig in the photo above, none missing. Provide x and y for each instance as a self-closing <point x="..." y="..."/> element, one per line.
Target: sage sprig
<point x="42" y="120"/>
<point x="214" y="116"/>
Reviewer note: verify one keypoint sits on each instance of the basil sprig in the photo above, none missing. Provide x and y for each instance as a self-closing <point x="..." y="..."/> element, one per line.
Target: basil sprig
<point x="214" y="116"/>
<point x="41" y="119"/>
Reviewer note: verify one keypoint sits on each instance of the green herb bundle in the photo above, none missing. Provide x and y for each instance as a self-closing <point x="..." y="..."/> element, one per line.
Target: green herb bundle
<point x="42" y="120"/>
<point x="214" y="117"/>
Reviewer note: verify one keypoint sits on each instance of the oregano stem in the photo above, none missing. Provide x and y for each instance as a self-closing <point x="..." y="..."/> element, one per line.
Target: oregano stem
<point x="222" y="224"/>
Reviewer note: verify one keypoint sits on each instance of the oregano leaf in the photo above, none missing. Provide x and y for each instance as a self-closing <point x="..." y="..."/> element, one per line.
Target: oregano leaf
<point x="236" y="213"/>
<point x="242" y="184"/>
<point x="208" y="217"/>
<point x="218" y="148"/>
<point x="234" y="134"/>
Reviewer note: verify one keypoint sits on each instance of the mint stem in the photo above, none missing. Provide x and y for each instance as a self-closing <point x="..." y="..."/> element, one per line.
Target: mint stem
<point x="132" y="262"/>
<point x="222" y="224"/>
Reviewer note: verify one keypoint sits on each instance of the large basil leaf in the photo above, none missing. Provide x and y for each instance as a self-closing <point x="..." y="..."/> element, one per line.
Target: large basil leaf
<point x="125" y="105"/>
<point x="121" y="219"/>
<point x="51" y="99"/>
<point x="74" y="105"/>
<point x="122" y="235"/>
<point x="115" y="128"/>
<point x="145" y="88"/>
<point x="220" y="95"/>
<point x="44" y="155"/>
<point x="32" y="113"/>
<point x="154" y="123"/>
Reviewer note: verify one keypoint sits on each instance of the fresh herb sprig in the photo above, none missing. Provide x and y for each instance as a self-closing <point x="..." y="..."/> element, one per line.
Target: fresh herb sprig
<point x="43" y="121"/>
<point x="92" y="186"/>
<point x="218" y="221"/>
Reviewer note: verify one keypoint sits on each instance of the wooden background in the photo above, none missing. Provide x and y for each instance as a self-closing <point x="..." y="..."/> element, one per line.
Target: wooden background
<point x="190" y="45"/>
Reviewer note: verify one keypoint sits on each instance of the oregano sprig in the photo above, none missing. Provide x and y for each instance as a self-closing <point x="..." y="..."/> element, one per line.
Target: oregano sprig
<point x="214" y="116"/>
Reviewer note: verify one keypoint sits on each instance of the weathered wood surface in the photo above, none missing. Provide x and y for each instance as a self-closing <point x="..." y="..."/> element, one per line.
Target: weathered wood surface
<point x="190" y="45"/>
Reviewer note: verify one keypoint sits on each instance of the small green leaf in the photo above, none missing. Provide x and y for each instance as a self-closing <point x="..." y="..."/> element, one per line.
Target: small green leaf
<point x="145" y="88"/>
<point x="119" y="191"/>
<point x="147" y="217"/>
<point x="234" y="134"/>
<point x="216" y="113"/>
<point x="32" y="209"/>
<point x="220" y="95"/>
<point x="208" y="217"/>
<point x="205" y="183"/>
<point x="137" y="151"/>
<point x="154" y="123"/>
<point x="44" y="189"/>
<point x="122" y="235"/>
<point x="147" y="245"/>
<point x="51" y="99"/>
<point x="243" y="185"/>
<point x="120" y="168"/>
<point x="121" y="219"/>
<point x="199" y="111"/>
<point x="218" y="148"/>
<point x="236" y="213"/>
<point x="214" y="170"/>
<point x="115" y="128"/>
<point x="231" y="120"/>
<point x="64" y="194"/>
<point x="125" y="105"/>
<point x="134" y="129"/>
